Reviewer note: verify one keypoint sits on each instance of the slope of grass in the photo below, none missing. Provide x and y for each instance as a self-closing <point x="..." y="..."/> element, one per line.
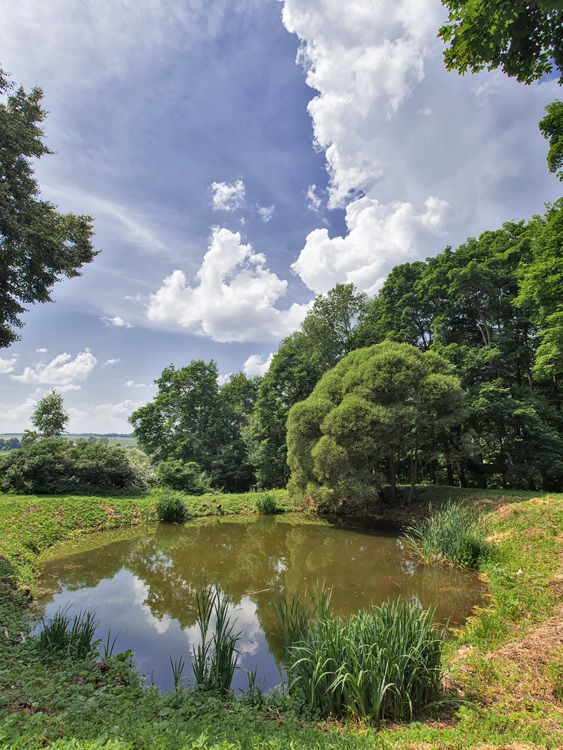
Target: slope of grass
<point x="504" y="671"/>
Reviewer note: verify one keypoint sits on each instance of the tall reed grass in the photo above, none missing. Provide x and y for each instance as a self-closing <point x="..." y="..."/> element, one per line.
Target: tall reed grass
<point x="66" y="636"/>
<point x="215" y="658"/>
<point x="384" y="662"/>
<point x="455" y="535"/>
<point x="171" y="507"/>
<point x="266" y="504"/>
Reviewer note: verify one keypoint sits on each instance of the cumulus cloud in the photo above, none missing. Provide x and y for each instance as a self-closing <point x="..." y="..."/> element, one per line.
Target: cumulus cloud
<point x="255" y="365"/>
<point x="266" y="213"/>
<point x="234" y="296"/>
<point x="7" y="365"/>
<point x="416" y="155"/>
<point x="110" y="362"/>
<point x="132" y="384"/>
<point x="378" y="238"/>
<point x="41" y="351"/>
<point x="118" y="322"/>
<point x="314" y="202"/>
<point x="227" y="197"/>
<point x="63" y="371"/>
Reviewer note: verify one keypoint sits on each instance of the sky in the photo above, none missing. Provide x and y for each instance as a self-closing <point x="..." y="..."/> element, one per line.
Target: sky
<point x="239" y="157"/>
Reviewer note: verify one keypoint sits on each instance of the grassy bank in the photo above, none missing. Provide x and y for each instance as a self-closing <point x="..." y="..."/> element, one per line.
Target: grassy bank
<point x="504" y="670"/>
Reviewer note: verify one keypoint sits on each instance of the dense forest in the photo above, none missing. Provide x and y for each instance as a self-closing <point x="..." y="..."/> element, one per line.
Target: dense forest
<point x="489" y="314"/>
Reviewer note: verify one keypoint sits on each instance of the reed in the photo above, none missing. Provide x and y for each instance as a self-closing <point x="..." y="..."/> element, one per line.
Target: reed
<point x="266" y="504"/>
<point x="382" y="663"/>
<point x="171" y="507"/>
<point x="215" y="658"/>
<point x="66" y="636"/>
<point x="455" y="535"/>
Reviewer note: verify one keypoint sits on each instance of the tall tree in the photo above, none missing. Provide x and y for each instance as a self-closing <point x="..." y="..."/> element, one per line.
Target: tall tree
<point x="39" y="245"/>
<point x="50" y="418"/>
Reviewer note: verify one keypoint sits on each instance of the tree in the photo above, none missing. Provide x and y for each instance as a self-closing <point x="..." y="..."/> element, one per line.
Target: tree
<point x="39" y="245"/>
<point x="50" y="417"/>
<point x="522" y="38"/>
<point x="551" y="127"/>
<point x="376" y="404"/>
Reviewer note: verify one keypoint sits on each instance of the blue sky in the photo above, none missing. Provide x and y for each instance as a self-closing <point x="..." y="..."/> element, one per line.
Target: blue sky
<point x="239" y="157"/>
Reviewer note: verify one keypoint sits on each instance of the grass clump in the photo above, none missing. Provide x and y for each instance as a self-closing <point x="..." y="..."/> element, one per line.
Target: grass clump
<point x="171" y="507"/>
<point x="215" y="657"/>
<point x="455" y="535"/>
<point x="382" y="663"/>
<point x="66" y="636"/>
<point x="266" y="504"/>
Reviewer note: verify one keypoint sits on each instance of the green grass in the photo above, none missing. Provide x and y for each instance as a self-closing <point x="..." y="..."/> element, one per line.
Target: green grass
<point x="504" y="669"/>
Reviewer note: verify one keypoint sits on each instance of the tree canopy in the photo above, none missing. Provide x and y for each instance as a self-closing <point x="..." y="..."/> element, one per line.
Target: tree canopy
<point x="50" y="417"/>
<point x="39" y="244"/>
<point x="522" y="38"/>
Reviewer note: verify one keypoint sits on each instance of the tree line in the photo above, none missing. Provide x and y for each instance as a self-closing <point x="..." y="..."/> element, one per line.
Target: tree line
<point x="487" y="315"/>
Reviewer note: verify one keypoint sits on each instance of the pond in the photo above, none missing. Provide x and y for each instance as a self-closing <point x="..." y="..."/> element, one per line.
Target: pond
<point x="143" y="586"/>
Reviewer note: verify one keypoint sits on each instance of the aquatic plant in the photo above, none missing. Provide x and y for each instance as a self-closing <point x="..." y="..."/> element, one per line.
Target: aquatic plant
<point x="66" y="636"/>
<point x="266" y="504"/>
<point x="214" y="659"/>
<point x="382" y="663"/>
<point x="455" y="535"/>
<point x="171" y="507"/>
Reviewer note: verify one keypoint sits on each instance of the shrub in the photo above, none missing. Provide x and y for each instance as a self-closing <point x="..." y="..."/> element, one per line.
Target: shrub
<point x="382" y="663"/>
<point x="185" y="476"/>
<point x="171" y="507"/>
<point x="455" y="535"/>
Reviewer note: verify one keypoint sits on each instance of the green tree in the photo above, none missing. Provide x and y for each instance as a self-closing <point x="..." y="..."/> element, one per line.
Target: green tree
<point x="551" y="127"/>
<point x="522" y="38"/>
<point x="376" y="404"/>
<point x="39" y="245"/>
<point x="50" y="417"/>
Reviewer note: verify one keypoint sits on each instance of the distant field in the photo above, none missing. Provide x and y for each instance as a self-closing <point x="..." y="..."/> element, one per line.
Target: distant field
<point x="128" y="441"/>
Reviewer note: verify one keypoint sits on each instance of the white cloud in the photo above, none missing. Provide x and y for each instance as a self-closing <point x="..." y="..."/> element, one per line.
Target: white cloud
<point x="266" y="213"/>
<point x="227" y="197"/>
<point x="118" y="322"/>
<point x="41" y="351"/>
<point x="63" y="371"/>
<point x="255" y="366"/>
<point x="234" y="298"/>
<point x="223" y="379"/>
<point x="132" y="384"/>
<point x="379" y="237"/>
<point x="405" y="140"/>
<point x="111" y="362"/>
<point x="7" y="365"/>
<point x="314" y="202"/>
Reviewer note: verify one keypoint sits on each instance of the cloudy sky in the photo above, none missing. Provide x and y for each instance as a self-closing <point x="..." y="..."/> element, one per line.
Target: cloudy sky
<point x="240" y="157"/>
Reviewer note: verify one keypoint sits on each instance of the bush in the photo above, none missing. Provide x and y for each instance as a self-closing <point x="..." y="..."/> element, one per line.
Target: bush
<point x="455" y="536"/>
<point x="185" y="476"/>
<point x="171" y="507"/>
<point x="383" y="663"/>
<point x="56" y="466"/>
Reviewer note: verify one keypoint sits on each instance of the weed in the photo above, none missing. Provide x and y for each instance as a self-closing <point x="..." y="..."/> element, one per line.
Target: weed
<point x="177" y="666"/>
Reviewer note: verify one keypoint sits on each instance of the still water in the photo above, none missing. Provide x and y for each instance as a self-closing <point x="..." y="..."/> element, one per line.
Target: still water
<point x="143" y="587"/>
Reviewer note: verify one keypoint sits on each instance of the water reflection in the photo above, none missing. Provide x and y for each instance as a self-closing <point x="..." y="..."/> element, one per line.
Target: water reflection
<point x="144" y="587"/>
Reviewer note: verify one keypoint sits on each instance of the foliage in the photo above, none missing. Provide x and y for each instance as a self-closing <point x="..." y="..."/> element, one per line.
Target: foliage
<point x="171" y="507"/>
<point x="522" y="38"/>
<point x="39" y="245"/>
<point x="455" y="535"/>
<point x="376" y="402"/>
<point x="193" y="420"/>
<point x="266" y="504"/>
<point x="215" y="656"/>
<point x="55" y="465"/>
<point x="63" y="636"/>
<point x="551" y="127"/>
<point x="185" y="476"/>
<point x="384" y="663"/>
<point x="50" y="417"/>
